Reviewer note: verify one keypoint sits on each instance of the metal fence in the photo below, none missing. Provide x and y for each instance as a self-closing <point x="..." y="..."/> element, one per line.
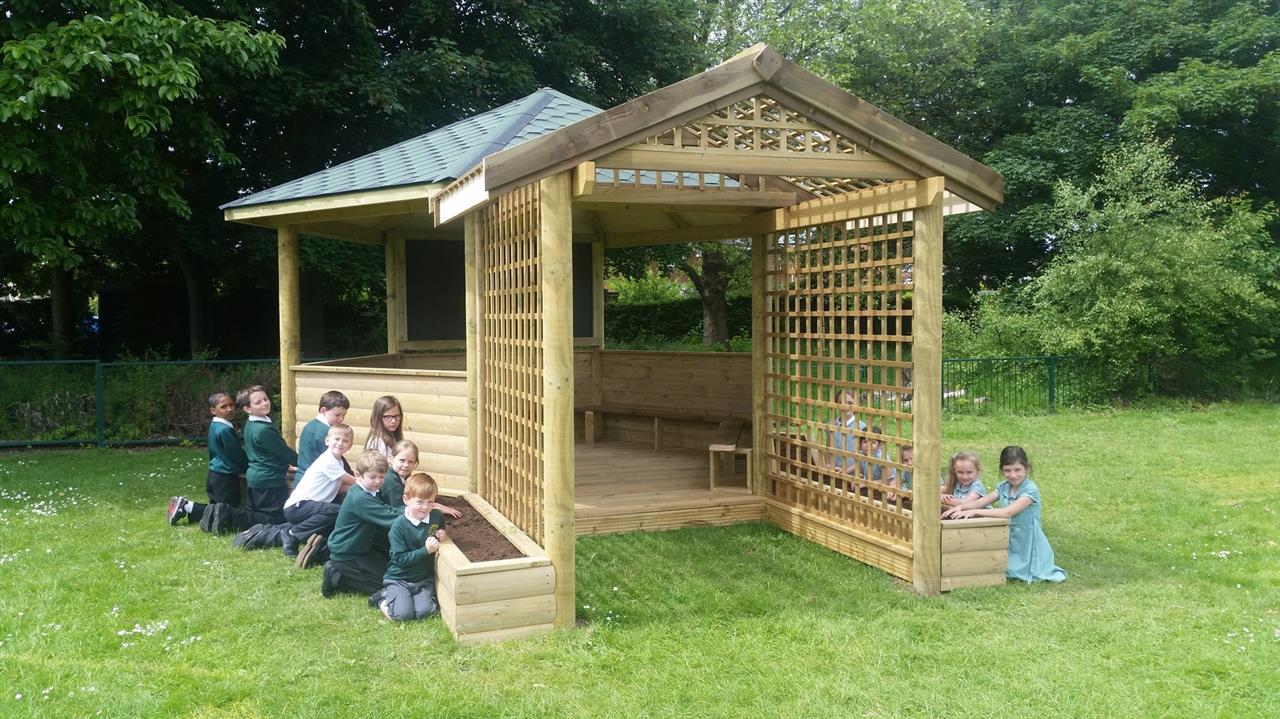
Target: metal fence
<point x="118" y="403"/>
<point x="82" y="402"/>
<point x="1010" y="385"/>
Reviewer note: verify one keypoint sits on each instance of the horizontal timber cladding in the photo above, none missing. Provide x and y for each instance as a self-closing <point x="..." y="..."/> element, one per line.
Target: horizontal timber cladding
<point x="716" y="384"/>
<point x="509" y="266"/>
<point x="434" y="406"/>
<point x="975" y="552"/>
<point x="499" y="599"/>
<point x="837" y="380"/>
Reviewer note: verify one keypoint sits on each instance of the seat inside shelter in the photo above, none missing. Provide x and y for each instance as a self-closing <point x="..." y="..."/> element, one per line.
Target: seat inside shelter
<point x="494" y="231"/>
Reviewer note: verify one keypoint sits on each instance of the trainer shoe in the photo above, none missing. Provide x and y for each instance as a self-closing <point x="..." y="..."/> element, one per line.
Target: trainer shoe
<point x="176" y="510"/>
<point x="247" y="538"/>
<point x="289" y="542"/>
<point x="329" y="582"/>
<point x="311" y="553"/>
<point x="377" y="598"/>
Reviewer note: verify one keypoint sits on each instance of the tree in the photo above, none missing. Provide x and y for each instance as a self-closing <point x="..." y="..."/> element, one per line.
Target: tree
<point x="99" y="113"/>
<point x="1149" y="271"/>
<point x="714" y="269"/>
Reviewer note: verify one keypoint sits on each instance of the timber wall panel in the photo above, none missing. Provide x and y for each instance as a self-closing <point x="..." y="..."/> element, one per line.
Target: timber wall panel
<point x="714" y="383"/>
<point x="434" y="407"/>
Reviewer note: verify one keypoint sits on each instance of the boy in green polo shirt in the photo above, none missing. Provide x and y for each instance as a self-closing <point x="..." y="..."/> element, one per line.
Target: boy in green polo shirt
<point x="333" y="411"/>
<point x="408" y="587"/>
<point x="270" y="459"/>
<point x="358" y="544"/>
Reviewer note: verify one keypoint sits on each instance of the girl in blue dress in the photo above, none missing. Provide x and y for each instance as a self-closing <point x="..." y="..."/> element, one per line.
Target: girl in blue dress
<point x="1030" y="556"/>
<point x="964" y="480"/>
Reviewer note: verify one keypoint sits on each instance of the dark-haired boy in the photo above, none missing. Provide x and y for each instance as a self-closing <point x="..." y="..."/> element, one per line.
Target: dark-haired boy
<point x="227" y="461"/>
<point x="333" y="411"/>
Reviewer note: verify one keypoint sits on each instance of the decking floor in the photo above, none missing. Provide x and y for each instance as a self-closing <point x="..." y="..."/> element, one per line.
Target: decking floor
<point x="623" y="487"/>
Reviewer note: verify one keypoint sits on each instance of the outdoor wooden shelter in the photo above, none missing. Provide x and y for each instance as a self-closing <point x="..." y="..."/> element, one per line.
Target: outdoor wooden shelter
<point x="843" y="205"/>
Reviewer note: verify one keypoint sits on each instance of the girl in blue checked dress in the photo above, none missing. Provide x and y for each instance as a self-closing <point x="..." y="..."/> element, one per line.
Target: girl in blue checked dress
<point x="1030" y="556"/>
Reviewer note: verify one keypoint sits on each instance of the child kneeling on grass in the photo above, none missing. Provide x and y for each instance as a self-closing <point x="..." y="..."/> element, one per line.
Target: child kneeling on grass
<point x="227" y="461"/>
<point x="270" y="461"/>
<point x="1030" y="556"/>
<point x="312" y="507"/>
<point x="408" y="587"/>
<point x="358" y="544"/>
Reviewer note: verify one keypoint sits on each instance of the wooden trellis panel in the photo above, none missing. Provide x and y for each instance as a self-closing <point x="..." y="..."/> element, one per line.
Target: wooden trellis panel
<point x="838" y="371"/>
<point x="510" y="270"/>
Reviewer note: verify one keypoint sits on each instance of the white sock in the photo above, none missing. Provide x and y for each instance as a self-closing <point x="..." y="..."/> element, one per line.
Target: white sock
<point x="189" y="507"/>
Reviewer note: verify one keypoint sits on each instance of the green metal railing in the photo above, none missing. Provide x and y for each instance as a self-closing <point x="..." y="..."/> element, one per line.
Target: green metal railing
<point x="1003" y="385"/>
<point x="78" y="402"/>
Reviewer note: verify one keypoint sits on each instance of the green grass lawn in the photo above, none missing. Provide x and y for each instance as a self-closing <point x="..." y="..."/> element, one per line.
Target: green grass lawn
<point x="1167" y="521"/>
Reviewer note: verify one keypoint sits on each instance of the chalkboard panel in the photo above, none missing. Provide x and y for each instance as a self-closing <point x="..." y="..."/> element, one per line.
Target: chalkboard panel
<point x="436" y="291"/>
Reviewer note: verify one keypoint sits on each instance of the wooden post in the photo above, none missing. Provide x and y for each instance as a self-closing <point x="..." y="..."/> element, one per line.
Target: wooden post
<point x="555" y="246"/>
<point x="290" y="324"/>
<point x="470" y="254"/>
<point x="393" y="257"/>
<point x="926" y="360"/>
<point x="597" y="320"/>
<point x="759" y="424"/>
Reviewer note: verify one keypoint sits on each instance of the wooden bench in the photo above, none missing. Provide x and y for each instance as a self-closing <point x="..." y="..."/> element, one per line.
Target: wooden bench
<point x="731" y="440"/>
<point x="732" y="436"/>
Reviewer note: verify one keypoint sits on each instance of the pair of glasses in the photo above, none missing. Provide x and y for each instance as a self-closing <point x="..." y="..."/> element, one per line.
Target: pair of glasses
<point x="396" y="417"/>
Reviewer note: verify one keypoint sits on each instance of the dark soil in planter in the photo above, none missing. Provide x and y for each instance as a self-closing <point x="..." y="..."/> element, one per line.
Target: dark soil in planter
<point x="473" y="534"/>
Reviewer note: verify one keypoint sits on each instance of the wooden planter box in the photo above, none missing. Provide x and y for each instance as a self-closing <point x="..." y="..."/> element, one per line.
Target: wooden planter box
<point x="975" y="552"/>
<point x="502" y="599"/>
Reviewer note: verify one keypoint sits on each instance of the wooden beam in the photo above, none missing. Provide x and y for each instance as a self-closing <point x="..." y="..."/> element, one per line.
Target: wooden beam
<point x="290" y="332"/>
<point x="555" y="247"/>
<point x="463" y="195"/>
<point x="597" y="292"/>
<point x="897" y="197"/>
<point x="474" y="298"/>
<point x="690" y="198"/>
<point x="695" y="233"/>
<point x="750" y="162"/>
<point x="370" y="203"/>
<point x="759" y="413"/>
<point x="926" y="360"/>
<point x="393" y="259"/>
<point x="584" y="179"/>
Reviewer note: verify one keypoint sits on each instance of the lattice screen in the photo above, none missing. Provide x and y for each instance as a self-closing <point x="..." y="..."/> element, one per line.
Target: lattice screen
<point x="512" y="349"/>
<point x="762" y="125"/>
<point x="838" y="372"/>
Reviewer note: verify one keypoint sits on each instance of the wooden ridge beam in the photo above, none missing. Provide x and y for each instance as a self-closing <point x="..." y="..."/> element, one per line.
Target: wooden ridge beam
<point x="752" y="162"/>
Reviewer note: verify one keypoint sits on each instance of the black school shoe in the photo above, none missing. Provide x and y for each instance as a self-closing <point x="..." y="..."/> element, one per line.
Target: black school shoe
<point x="249" y="538"/>
<point x="176" y="510"/>
<point x="290" y="543"/>
<point x="219" y="518"/>
<point x="329" y="582"/>
<point x="206" y="519"/>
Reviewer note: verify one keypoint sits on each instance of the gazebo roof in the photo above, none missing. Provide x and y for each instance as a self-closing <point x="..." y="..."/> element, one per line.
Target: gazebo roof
<point x="754" y="114"/>
<point x="440" y="155"/>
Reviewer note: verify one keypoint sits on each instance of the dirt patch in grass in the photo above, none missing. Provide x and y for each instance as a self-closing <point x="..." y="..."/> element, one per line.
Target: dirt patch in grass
<point x="473" y="534"/>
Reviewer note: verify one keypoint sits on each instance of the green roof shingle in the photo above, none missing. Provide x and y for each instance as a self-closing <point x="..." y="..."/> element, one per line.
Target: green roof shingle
<point x="442" y="154"/>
